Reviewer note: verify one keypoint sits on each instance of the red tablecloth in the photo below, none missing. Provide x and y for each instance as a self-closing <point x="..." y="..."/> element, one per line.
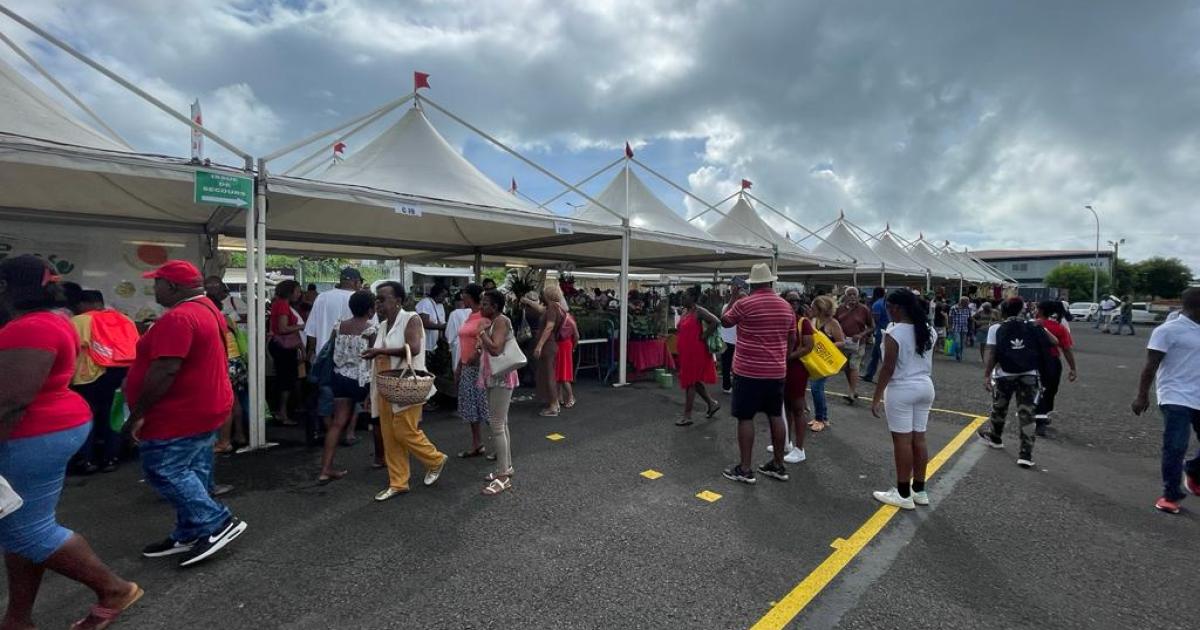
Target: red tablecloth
<point x="650" y="354"/>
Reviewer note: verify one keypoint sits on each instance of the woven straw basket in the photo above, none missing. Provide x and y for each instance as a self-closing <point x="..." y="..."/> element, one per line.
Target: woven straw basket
<point x="405" y="386"/>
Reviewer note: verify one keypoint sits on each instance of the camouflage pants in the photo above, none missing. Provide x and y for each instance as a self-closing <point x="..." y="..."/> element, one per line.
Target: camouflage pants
<point x="1025" y="388"/>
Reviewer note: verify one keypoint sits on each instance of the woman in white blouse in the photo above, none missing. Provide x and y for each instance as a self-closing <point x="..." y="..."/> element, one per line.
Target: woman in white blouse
<point x="351" y="375"/>
<point x="400" y="333"/>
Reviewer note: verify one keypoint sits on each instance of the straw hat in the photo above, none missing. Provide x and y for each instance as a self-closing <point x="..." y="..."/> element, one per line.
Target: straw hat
<point x="761" y="274"/>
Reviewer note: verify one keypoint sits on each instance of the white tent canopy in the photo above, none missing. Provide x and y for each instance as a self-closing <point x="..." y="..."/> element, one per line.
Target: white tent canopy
<point x="742" y="225"/>
<point x="630" y="198"/>
<point x="923" y="254"/>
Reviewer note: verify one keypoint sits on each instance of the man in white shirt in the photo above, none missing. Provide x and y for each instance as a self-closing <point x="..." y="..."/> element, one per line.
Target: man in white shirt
<point x="1108" y="306"/>
<point x="329" y="309"/>
<point x="433" y="315"/>
<point x="454" y="323"/>
<point x="1173" y="361"/>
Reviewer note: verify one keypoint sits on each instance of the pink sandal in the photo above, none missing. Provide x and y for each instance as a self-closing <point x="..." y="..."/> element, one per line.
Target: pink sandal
<point x="108" y="616"/>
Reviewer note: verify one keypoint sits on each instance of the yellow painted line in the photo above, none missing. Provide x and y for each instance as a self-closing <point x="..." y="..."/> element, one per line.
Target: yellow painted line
<point x="554" y="437"/>
<point x="783" y="612"/>
<point x="651" y="474"/>
<point x="708" y="495"/>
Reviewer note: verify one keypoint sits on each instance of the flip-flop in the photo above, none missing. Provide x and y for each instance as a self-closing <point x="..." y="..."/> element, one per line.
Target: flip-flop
<point x="475" y="453"/>
<point x="108" y="616"/>
<point x="712" y="411"/>
<point x="324" y="480"/>
<point x="818" y="426"/>
<point x="547" y="413"/>
<point x="569" y="405"/>
<point x="378" y="465"/>
<point x="684" y="422"/>
<point x="493" y="476"/>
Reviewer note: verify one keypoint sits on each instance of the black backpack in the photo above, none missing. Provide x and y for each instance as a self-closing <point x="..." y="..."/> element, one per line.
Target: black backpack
<point x="1020" y="346"/>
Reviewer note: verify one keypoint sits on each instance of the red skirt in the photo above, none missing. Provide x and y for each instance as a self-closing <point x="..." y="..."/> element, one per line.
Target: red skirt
<point x="797" y="381"/>
<point x="564" y="363"/>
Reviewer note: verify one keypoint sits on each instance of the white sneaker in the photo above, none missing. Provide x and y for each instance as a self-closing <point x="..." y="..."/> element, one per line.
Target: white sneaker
<point x="1025" y="463"/>
<point x="920" y="498"/>
<point x="892" y="497"/>
<point x="787" y="447"/>
<point x="795" y="456"/>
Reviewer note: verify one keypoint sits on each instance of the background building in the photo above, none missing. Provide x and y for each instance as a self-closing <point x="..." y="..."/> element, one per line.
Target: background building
<point x="1029" y="267"/>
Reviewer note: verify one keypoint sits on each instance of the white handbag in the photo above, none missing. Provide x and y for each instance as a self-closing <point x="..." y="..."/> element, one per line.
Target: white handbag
<point x="10" y="501"/>
<point x="510" y="358"/>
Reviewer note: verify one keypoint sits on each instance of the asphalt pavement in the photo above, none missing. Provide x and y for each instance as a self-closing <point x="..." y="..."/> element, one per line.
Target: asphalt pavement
<point x="584" y="540"/>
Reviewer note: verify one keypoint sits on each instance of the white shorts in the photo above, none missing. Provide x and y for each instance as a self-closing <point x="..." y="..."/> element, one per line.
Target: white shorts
<point x="907" y="406"/>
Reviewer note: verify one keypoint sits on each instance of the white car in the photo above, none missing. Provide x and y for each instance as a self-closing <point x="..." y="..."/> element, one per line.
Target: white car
<point x="1085" y="311"/>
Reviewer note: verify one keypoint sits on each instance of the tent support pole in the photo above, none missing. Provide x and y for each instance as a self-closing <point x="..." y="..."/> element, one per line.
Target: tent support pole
<point x="255" y="312"/>
<point x="623" y="341"/>
<point x="854" y="277"/>
<point x="714" y="206"/>
<point x="579" y="183"/>
<point x="883" y="278"/>
<point x="478" y="266"/>
<point x="260" y="232"/>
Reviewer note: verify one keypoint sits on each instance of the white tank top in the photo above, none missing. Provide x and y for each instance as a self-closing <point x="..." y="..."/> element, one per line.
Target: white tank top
<point x="910" y="366"/>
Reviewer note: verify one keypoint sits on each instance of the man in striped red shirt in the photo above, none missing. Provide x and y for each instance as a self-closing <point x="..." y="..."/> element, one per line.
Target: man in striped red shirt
<point x="766" y="329"/>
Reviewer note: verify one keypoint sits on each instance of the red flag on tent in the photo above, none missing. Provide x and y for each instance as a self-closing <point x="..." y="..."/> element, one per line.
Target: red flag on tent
<point x="746" y="184"/>
<point x="339" y="148"/>
<point x="513" y="188"/>
<point x="628" y="151"/>
<point x="420" y="80"/>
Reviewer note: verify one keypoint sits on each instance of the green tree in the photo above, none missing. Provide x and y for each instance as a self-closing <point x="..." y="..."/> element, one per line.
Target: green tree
<point x="1077" y="280"/>
<point x="1125" y="281"/>
<point x="1162" y="277"/>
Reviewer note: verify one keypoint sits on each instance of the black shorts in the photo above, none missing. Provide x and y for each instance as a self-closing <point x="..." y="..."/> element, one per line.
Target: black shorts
<point x="752" y="396"/>
<point x="348" y="388"/>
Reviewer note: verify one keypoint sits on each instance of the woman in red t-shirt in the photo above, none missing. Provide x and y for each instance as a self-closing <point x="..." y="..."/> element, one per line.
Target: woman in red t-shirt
<point x="42" y="424"/>
<point x="1050" y="314"/>
<point x="286" y="344"/>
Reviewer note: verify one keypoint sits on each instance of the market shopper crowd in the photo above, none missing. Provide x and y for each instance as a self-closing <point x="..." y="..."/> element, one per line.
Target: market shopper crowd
<point x="72" y="360"/>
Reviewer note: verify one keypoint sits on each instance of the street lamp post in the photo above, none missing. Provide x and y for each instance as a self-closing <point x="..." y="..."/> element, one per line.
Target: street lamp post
<point x="1096" y="266"/>
<point x="1112" y="267"/>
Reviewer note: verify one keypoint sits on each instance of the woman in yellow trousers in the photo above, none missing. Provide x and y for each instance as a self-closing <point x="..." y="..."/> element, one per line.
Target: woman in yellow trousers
<point x="400" y="332"/>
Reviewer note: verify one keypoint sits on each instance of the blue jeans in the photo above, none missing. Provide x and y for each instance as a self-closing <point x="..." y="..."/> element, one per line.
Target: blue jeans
<point x="876" y="355"/>
<point x="1178" y="424"/>
<point x="960" y="342"/>
<point x="820" y="407"/>
<point x="180" y="470"/>
<point x="35" y="467"/>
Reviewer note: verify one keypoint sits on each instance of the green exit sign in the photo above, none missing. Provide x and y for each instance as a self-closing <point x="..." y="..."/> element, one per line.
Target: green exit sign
<point x="220" y="189"/>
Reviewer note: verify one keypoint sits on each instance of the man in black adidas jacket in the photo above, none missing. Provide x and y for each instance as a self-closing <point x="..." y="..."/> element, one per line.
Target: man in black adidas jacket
<point x="1016" y="350"/>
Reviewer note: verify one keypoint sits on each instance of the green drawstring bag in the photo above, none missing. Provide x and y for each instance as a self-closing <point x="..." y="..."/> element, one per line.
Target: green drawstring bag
<point x="949" y="346"/>
<point x="119" y="414"/>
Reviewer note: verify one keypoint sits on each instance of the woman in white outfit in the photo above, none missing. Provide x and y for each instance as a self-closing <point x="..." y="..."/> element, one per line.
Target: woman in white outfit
<point x="905" y="379"/>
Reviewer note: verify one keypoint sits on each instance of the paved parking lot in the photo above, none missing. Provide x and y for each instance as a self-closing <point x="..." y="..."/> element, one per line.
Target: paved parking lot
<point x="586" y="541"/>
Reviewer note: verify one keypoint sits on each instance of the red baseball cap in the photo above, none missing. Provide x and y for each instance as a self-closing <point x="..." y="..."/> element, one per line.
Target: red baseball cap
<point x="180" y="272"/>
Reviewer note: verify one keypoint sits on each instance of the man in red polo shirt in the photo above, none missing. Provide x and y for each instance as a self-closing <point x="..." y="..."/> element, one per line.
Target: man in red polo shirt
<point x="179" y="396"/>
<point x="766" y="326"/>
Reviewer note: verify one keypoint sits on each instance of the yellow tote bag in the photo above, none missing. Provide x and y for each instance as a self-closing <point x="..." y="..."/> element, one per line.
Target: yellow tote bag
<point x="825" y="359"/>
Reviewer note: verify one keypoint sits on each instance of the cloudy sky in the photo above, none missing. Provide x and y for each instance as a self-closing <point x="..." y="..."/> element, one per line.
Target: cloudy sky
<point x="987" y="123"/>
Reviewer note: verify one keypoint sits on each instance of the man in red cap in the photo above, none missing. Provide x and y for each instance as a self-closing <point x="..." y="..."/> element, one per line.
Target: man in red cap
<point x="179" y="396"/>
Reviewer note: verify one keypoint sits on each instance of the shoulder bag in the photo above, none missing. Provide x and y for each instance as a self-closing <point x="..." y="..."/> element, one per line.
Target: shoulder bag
<point x="825" y="360"/>
<point x="510" y="357"/>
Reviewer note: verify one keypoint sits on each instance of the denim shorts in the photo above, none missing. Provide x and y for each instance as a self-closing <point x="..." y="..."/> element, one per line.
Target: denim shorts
<point x="35" y="467"/>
